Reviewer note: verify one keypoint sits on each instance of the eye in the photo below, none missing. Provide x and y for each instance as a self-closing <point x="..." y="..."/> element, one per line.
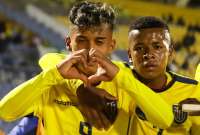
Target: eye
<point x="157" y="46"/>
<point x="138" y="48"/>
<point x="99" y="42"/>
<point x="81" y="40"/>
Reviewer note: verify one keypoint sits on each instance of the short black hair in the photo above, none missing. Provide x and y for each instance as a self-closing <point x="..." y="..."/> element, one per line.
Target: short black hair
<point x="148" y="22"/>
<point x="89" y="14"/>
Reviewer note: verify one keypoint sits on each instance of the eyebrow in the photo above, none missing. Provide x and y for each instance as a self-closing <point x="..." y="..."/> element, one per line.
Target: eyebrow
<point x="80" y="36"/>
<point x="101" y="38"/>
<point x="139" y="43"/>
<point x="155" y="42"/>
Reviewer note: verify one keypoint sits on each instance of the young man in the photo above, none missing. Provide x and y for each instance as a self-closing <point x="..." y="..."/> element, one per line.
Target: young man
<point x="51" y="95"/>
<point x="150" y="50"/>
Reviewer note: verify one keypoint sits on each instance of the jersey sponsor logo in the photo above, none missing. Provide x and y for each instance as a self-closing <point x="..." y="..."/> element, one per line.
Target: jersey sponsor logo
<point x="65" y="103"/>
<point x="179" y="116"/>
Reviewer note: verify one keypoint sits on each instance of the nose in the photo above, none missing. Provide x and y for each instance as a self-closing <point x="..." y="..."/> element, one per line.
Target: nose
<point x="91" y="45"/>
<point x="148" y="54"/>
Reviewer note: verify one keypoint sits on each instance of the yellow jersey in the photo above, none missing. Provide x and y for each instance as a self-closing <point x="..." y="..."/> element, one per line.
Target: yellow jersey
<point x="52" y="98"/>
<point x="197" y="74"/>
<point x="178" y="88"/>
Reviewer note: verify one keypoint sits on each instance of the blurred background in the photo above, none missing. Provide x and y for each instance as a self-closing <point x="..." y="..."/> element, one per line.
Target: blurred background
<point x="29" y="29"/>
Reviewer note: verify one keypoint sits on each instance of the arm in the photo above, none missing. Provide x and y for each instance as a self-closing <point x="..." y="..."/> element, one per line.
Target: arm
<point x="195" y="129"/>
<point x="155" y="108"/>
<point x="19" y="101"/>
<point x="50" y="60"/>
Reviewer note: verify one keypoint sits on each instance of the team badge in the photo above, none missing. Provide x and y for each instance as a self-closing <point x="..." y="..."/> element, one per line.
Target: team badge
<point x="179" y="116"/>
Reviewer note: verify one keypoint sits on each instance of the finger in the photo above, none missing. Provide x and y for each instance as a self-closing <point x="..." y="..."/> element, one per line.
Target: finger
<point x="92" y="51"/>
<point x="86" y="113"/>
<point x="95" y="118"/>
<point x="85" y="54"/>
<point x="83" y="61"/>
<point x="194" y="113"/>
<point x="109" y="97"/>
<point x="79" y="61"/>
<point x="84" y="79"/>
<point x="99" y="55"/>
<point x="96" y="78"/>
<point x="103" y="63"/>
<point x="95" y="53"/>
<point x="82" y="53"/>
<point x="75" y="59"/>
<point x="106" y="123"/>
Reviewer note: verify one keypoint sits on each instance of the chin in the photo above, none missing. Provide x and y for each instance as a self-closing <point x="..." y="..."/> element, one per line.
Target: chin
<point x="148" y="75"/>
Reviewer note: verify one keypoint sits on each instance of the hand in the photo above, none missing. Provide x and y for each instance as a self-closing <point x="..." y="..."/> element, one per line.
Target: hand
<point x="191" y="101"/>
<point x="93" y="105"/>
<point x="106" y="70"/>
<point x="68" y="68"/>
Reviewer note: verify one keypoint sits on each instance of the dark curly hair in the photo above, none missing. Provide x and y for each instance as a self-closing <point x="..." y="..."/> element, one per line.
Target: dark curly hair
<point x="148" y="22"/>
<point x="89" y="14"/>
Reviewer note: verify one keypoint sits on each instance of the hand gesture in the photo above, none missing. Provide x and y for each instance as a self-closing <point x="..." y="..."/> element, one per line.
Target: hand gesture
<point x="68" y="67"/>
<point x="94" y="104"/>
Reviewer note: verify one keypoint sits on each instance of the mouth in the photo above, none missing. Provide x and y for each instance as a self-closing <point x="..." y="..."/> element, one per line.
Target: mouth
<point x="150" y="65"/>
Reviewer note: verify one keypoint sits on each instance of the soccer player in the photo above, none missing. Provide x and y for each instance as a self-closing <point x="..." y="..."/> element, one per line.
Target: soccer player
<point x="150" y="50"/>
<point x="50" y="94"/>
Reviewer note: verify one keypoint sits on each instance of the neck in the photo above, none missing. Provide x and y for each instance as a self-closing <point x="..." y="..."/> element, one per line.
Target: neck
<point x="156" y="84"/>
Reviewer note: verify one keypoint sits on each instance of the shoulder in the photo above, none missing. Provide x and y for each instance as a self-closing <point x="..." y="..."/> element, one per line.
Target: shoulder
<point x="197" y="74"/>
<point x="50" y="59"/>
<point x="122" y="64"/>
<point x="183" y="79"/>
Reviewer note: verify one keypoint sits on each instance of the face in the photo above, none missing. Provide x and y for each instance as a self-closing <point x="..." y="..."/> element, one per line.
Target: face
<point x="150" y="50"/>
<point x="99" y="38"/>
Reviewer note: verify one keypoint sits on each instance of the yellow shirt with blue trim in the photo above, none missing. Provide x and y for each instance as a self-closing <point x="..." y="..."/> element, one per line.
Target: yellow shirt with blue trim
<point x="197" y="74"/>
<point x="53" y="99"/>
<point x="178" y="88"/>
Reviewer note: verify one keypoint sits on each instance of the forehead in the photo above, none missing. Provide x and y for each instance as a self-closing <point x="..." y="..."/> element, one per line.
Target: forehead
<point x="102" y="29"/>
<point x="148" y="34"/>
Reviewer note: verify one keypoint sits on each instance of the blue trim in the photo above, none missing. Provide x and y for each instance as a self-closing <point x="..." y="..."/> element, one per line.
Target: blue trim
<point x="183" y="79"/>
<point x="27" y="126"/>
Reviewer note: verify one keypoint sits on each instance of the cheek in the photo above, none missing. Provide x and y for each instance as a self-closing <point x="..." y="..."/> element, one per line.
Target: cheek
<point x="79" y="46"/>
<point x="136" y="58"/>
<point x="74" y="46"/>
<point x="163" y="59"/>
<point x="103" y="49"/>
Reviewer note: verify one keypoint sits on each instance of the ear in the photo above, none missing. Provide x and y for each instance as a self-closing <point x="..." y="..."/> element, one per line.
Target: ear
<point x="129" y="56"/>
<point x="68" y="43"/>
<point x="171" y="53"/>
<point x="112" y="46"/>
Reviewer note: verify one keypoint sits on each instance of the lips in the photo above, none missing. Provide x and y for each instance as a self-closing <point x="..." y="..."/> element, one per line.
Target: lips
<point x="150" y="64"/>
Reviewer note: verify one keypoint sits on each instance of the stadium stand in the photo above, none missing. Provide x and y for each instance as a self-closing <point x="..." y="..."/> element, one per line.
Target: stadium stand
<point x="26" y="47"/>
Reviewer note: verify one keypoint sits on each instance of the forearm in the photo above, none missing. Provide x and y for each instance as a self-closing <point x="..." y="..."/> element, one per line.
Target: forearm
<point x="155" y="108"/>
<point x="20" y="100"/>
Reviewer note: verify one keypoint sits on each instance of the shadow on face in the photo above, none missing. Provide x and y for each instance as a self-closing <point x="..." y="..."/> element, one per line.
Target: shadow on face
<point x="98" y="38"/>
<point x="150" y="50"/>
